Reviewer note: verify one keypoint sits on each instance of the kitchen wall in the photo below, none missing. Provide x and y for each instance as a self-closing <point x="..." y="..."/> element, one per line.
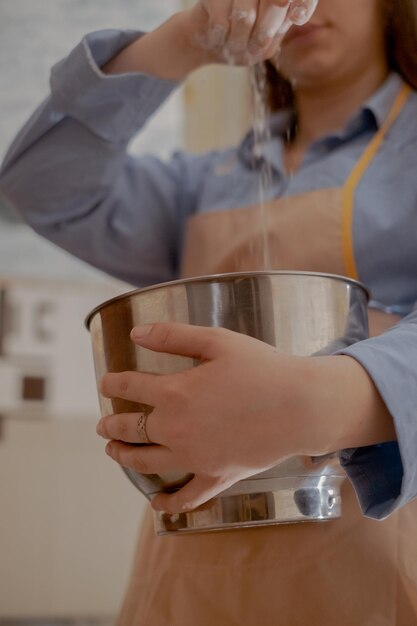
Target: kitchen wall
<point x="69" y="517"/>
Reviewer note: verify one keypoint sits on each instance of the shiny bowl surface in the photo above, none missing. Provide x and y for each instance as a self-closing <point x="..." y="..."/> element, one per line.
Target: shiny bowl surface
<point x="301" y="313"/>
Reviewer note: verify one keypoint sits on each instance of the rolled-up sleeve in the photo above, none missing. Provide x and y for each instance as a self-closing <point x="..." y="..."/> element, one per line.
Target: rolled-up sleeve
<point x="385" y="475"/>
<point x="69" y="175"/>
<point x="115" y="107"/>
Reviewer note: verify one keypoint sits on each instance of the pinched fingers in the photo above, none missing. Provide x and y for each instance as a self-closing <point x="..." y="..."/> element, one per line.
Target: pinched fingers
<point x="247" y="31"/>
<point x="218" y="12"/>
<point x="242" y="21"/>
<point x="271" y="19"/>
<point x="244" y="26"/>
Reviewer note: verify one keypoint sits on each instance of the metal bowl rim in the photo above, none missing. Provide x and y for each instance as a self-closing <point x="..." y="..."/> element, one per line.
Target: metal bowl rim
<point x="221" y="278"/>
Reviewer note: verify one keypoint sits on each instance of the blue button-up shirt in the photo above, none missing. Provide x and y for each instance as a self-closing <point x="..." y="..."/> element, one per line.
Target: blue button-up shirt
<point x="70" y="176"/>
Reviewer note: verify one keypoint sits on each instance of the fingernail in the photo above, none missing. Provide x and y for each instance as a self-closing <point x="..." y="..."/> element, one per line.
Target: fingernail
<point x="99" y="427"/>
<point x="299" y="13"/>
<point x="140" y="332"/>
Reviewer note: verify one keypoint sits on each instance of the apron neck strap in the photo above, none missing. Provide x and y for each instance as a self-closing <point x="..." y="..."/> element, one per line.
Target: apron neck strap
<point x="357" y="174"/>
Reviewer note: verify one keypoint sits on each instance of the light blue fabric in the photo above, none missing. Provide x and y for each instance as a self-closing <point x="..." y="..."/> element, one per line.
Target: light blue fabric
<point x="69" y="175"/>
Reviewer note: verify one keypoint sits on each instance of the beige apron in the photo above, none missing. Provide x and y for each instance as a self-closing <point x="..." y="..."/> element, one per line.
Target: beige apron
<point x="348" y="572"/>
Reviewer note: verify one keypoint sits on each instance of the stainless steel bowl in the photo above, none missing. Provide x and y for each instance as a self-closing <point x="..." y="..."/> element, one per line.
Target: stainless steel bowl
<point x="299" y="313"/>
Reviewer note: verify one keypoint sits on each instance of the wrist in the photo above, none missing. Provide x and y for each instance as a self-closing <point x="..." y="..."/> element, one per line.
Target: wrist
<point x="165" y="53"/>
<point x="348" y="409"/>
<point x="193" y="56"/>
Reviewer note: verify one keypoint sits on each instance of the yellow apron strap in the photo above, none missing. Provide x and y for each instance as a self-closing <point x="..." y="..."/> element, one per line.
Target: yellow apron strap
<point x="356" y="176"/>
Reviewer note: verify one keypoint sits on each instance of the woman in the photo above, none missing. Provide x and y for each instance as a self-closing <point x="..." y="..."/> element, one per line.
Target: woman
<point x="348" y="177"/>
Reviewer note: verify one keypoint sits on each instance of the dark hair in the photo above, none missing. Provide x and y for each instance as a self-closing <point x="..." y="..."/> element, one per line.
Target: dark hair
<point x="401" y="39"/>
<point x="401" y="50"/>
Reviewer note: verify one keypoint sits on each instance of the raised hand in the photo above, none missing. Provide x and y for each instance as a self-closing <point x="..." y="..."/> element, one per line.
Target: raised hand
<point x="240" y="32"/>
<point x="245" y="31"/>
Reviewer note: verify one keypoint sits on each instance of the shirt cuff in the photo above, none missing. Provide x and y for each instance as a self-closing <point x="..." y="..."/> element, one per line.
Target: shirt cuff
<point x="114" y="107"/>
<point x="385" y="475"/>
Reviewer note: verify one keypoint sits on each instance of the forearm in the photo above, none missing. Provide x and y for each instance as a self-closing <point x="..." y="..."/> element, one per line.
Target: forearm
<point x="244" y="410"/>
<point x="164" y="53"/>
<point x="69" y="176"/>
<point x="347" y="405"/>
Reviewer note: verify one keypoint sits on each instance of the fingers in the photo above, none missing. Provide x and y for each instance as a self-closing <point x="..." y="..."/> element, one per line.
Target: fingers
<point x="249" y="31"/>
<point x="271" y="18"/>
<point x="125" y="427"/>
<point x="218" y="12"/>
<point x="197" y="342"/>
<point x="242" y="21"/>
<point x="301" y="11"/>
<point x="133" y="386"/>
<point x="247" y="28"/>
<point x="196" y="492"/>
<point x="144" y="459"/>
<point x="159" y="460"/>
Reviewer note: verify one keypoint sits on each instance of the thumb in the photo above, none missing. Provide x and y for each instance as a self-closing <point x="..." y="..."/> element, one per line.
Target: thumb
<point x="196" y="492"/>
<point x="197" y="342"/>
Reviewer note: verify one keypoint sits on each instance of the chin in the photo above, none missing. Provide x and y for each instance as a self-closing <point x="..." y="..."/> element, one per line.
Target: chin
<point x="306" y="74"/>
<point x="303" y="79"/>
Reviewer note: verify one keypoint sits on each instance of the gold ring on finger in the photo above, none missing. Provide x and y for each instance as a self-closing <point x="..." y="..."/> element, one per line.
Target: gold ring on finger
<point x="141" y="428"/>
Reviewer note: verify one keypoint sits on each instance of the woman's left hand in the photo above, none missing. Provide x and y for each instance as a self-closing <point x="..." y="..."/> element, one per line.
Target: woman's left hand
<point x="242" y="410"/>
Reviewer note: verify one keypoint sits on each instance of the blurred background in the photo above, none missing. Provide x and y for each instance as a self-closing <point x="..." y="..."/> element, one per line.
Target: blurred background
<point x="69" y="517"/>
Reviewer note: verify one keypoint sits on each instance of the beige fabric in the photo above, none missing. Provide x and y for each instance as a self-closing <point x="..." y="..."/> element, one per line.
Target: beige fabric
<point x="301" y="233"/>
<point x="291" y="229"/>
<point x="348" y="572"/>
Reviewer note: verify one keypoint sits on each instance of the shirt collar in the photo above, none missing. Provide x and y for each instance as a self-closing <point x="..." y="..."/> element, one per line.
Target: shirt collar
<point x="380" y="103"/>
<point x="370" y="116"/>
<point x="279" y="125"/>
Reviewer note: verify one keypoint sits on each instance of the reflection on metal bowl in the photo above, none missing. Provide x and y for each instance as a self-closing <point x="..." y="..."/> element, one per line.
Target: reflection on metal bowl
<point x="300" y="313"/>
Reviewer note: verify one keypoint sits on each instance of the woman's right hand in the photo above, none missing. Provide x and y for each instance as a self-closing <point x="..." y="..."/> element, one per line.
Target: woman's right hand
<point x="243" y="32"/>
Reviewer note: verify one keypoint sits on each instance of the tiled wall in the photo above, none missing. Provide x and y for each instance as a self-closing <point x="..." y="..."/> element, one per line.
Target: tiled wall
<point x="69" y="517"/>
<point x="33" y="36"/>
